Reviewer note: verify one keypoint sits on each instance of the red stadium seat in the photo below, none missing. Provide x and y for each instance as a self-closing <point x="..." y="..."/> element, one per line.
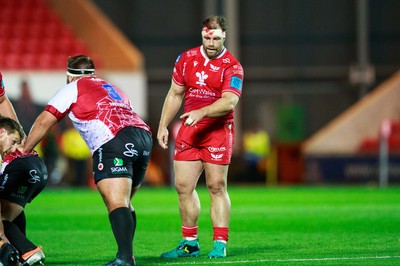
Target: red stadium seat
<point x="394" y="144"/>
<point x="369" y="146"/>
<point x="45" y="61"/>
<point x="65" y="45"/>
<point x="49" y="45"/>
<point x="29" y="60"/>
<point x="19" y="30"/>
<point x="16" y="45"/>
<point x="3" y="45"/>
<point x="395" y="127"/>
<point x="33" y="45"/>
<point x="6" y="14"/>
<point x="32" y="36"/>
<point x="12" y="61"/>
<point x="22" y="15"/>
<point x="6" y="30"/>
<point x="60" y="60"/>
<point x="35" y="30"/>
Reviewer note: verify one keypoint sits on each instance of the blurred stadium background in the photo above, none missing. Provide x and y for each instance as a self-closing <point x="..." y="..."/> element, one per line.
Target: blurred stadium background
<point x="321" y="78"/>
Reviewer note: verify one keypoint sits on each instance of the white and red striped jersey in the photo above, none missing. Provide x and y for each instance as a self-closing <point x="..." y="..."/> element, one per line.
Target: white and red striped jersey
<point x="98" y="110"/>
<point x="206" y="79"/>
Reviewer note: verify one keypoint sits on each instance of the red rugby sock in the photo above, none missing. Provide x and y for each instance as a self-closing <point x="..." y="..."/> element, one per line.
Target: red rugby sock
<point x="221" y="233"/>
<point x="189" y="232"/>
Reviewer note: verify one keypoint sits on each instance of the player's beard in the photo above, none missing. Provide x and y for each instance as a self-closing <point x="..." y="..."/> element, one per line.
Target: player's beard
<point x="213" y="53"/>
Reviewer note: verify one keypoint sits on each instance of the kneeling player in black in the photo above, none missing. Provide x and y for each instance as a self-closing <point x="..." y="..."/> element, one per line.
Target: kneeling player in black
<point x="22" y="177"/>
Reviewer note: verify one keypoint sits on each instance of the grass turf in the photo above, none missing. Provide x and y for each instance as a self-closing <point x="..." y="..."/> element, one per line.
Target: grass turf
<point x="269" y="226"/>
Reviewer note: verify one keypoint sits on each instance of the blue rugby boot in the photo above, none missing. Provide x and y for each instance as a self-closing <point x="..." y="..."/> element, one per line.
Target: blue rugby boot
<point x="185" y="248"/>
<point x="219" y="250"/>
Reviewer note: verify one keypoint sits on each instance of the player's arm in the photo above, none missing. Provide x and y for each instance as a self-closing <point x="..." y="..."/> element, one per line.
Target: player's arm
<point x="222" y="106"/>
<point x="218" y="108"/>
<point x="39" y="129"/>
<point x="6" y="108"/>
<point x="171" y="106"/>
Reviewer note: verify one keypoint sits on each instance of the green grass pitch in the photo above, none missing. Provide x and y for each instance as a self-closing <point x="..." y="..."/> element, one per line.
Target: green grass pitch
<point x="269" y="226"/>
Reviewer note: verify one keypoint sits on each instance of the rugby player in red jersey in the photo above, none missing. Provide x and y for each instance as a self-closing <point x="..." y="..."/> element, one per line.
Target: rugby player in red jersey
<point x="208" y="79"/>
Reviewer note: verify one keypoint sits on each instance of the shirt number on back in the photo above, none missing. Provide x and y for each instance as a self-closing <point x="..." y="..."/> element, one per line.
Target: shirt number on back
<point x="112" y="92"/>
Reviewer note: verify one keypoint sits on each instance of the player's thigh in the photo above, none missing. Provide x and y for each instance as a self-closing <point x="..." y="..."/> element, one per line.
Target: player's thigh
<point x="10" y="210"/>
<point x="115" y="191"/>
<point x="187" y="174"/>
<point x="216" y="175"/>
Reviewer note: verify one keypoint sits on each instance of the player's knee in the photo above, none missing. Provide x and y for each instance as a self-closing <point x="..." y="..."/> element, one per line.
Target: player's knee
<point x="115" y="203"/>
<point x="216" y="188"/>
<point x="184" y="188"/>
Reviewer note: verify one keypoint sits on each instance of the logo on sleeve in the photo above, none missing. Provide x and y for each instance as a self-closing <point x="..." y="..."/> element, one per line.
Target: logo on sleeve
<point x="236" y="83"/>
<point x="177" y="59"/>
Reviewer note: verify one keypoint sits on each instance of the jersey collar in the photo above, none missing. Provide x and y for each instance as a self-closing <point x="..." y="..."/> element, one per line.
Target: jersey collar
<point x="205" y="55"/>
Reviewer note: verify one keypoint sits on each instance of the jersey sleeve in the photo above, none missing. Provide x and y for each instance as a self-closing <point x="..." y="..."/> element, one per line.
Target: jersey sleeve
<point x="233" y="79"/>
<point x="60" y="104"/>
<point x="177" y="75"/>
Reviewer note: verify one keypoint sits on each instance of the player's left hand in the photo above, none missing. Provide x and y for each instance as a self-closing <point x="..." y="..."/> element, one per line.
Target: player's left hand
<point x="192" y="117"/>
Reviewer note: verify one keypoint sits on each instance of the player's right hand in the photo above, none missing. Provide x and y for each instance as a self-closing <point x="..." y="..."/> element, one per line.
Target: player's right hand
<point x="162" y="137"/>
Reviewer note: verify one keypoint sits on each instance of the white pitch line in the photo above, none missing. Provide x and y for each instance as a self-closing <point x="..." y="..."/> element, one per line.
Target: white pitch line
<point x="281" y="260"/>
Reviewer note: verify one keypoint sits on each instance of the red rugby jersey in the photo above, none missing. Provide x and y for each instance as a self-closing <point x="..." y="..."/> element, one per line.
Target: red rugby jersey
<point x="206" y="79"/>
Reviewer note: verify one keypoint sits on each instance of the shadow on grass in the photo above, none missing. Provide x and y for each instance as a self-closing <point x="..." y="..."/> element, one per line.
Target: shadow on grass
<point x="76" y="262"/>
<point x="235" y="254"/>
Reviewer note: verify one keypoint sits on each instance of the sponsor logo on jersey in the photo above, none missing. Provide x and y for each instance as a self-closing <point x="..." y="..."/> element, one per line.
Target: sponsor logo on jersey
<point x="122" y="105"/>
<point x="34" y="177"/>
<point x="236" y="83"/>
<point x="216" y="149"/>
<point x="202" y="76"/>
<point x="119" y="170"/>
<point x="201" y="93"/>
<point x="130" y="151"/>
<point x="226" y="60"/>
<point x="18" y="196"/>
<point x="100" y="155"/>
<point x="237" y="70"/>
<point x="214" y="68"/>
<point x="22" y="189"/>
<point x="216" y="157"/>
<point x="4" y="182"/>
<point x="191" y="53"/>
<point x="118" y="162"/>
<point x="195" y="63"/>
<point x="177" y="59"/>
<point x="100" y="166"/>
